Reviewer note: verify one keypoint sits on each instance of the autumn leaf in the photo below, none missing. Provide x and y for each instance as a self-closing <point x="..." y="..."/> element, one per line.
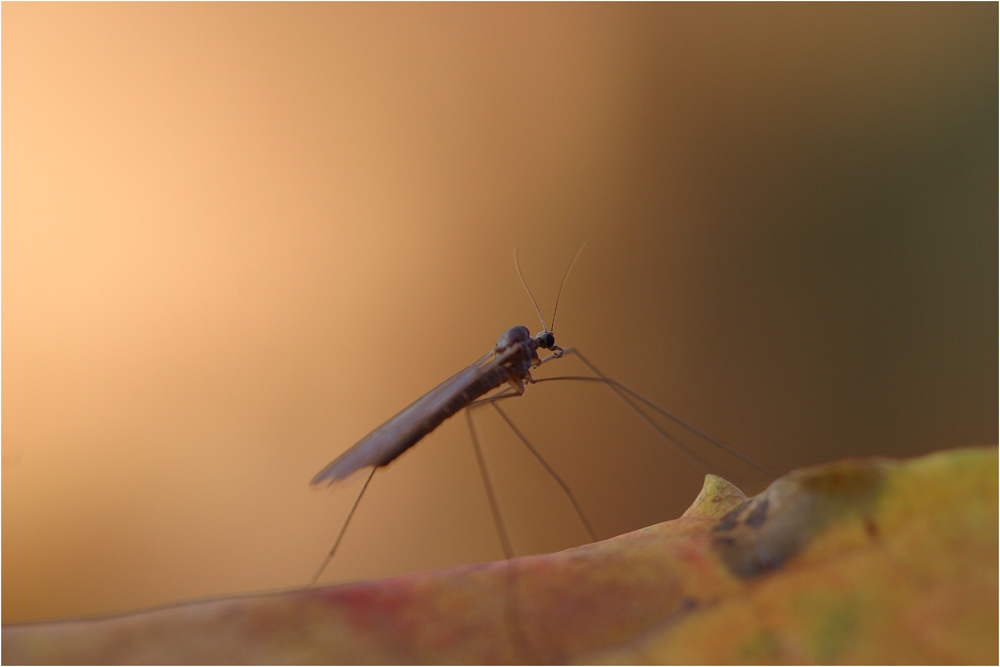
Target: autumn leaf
<point x="859" y="561"/>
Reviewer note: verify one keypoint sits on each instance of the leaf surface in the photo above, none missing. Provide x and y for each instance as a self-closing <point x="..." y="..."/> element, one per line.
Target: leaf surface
<point x="860" y="561"/>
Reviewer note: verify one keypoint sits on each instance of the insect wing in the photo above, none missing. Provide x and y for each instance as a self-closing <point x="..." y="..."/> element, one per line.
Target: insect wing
<point x="389" y="440"/>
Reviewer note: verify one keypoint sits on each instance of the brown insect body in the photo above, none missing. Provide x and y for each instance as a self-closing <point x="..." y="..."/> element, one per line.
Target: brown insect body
<point x="509" y="362"/>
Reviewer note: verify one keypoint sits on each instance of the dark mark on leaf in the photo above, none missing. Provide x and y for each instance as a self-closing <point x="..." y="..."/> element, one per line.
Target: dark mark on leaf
<point x="758" y="516"/>
<point x="769" y="529"/>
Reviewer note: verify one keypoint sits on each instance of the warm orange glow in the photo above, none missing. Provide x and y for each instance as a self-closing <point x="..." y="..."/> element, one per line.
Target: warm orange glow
<point x="237" y="237"/>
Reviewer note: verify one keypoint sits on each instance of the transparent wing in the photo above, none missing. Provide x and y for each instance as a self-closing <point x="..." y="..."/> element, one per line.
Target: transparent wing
<point x="395" y="436"/>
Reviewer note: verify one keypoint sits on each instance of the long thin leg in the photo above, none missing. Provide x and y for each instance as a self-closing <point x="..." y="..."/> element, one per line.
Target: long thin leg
<point x="551" y="471"/>
<point x="508" y="552"/>
<point x="504" y="393"/>
<point x="621" y="390"/>
<point x="492" y="400"/>
<point x="343" y="529"/>
<point x="513" y="626"/>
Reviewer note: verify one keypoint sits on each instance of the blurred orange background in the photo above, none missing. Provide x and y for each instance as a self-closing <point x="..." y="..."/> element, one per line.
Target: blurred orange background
<point x="237" y="237"/>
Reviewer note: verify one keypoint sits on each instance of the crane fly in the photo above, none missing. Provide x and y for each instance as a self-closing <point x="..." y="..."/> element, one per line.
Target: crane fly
<point x="510" y="363"/>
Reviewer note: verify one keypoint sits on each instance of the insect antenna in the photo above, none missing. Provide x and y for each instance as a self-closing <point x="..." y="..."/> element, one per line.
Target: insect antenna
<point x="555" y="310"/>
<point x="531" y="296"/>
<point x="527" y="289"/>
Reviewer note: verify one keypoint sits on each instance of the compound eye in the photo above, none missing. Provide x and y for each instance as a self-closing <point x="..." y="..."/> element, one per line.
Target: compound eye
<point x="546" y="340"/>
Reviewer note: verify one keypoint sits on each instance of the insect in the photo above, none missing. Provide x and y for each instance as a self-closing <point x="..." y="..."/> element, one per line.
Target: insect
<point x="509" y="363"/>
